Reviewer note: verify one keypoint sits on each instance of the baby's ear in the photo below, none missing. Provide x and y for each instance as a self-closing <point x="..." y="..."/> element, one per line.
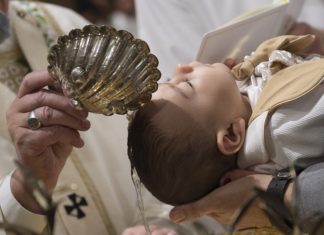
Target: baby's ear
<point x="231" y="139"/>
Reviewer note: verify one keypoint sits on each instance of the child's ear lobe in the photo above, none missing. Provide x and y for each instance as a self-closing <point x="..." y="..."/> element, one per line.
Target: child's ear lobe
<point x="230" y="140"/>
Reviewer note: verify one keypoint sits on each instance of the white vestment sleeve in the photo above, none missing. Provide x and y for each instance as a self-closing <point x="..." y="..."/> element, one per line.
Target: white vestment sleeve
<point x="14" y="213"/>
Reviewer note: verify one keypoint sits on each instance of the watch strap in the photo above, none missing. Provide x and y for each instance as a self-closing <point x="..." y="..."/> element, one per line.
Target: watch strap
<point x="279" y="184"/>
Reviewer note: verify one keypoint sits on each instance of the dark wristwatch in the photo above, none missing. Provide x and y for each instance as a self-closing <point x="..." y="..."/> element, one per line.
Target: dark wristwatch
<point x="279" y="184"/>
<point x="280" y="216"/>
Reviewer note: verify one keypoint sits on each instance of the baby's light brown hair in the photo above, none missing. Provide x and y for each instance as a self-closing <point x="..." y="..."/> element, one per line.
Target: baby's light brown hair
<point x="176" y="167"/>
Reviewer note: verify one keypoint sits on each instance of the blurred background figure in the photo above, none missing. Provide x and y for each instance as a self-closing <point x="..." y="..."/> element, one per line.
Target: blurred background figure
<point x="118" y="13"/>
<point x="174" y="28"/>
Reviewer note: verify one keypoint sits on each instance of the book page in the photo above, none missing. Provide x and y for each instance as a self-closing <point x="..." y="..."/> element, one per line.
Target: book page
<point x="252" y="13"/>
<point x="244" y="33"/>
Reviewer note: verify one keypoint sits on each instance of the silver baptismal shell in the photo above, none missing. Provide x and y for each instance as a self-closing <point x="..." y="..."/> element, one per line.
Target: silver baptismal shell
<point x="104" y="70"/>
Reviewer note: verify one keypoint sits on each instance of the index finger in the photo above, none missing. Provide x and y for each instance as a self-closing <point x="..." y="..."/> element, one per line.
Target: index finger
<point x="35" y="81"/>
<point x="190" y="210"/>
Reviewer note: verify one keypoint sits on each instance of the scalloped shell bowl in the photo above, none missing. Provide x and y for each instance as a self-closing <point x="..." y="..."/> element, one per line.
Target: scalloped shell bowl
<point x="104" y="70"/>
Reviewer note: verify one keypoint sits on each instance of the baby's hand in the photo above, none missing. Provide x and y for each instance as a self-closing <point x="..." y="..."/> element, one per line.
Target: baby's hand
<point x="155" y="230"/>
<point x="229" y="62"/>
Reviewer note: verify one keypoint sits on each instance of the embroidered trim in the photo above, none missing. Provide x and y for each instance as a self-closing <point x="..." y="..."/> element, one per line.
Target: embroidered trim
<point x="13" y="68"/>
<point x="77" y="163"/>
<point x="37" y="15"/>
<point x="33" y="13"/>
<point x="93" y="192"/>
<point x="52" y="22"/>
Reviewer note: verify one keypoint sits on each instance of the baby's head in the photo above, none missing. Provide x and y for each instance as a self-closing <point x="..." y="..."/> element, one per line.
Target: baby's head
<point x="183" y="141"/>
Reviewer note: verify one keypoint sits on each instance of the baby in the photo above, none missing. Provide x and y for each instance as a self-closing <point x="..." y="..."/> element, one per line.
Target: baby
<point x="183" y="141"/>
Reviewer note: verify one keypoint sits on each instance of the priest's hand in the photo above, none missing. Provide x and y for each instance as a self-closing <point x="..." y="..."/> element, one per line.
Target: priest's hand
<point x="44" y="128"/>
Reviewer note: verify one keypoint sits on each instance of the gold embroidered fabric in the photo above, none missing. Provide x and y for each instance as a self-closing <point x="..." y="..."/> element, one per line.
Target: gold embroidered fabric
<point x="13" y="65"/>
<point x="13" y="68"/>
<point x="290" y="43"/>
<point x="36" y="15"/>
<point x="40" y="17"/>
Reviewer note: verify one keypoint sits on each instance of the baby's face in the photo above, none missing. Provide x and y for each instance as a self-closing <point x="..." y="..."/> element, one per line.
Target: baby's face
<point x="207" y="93"/>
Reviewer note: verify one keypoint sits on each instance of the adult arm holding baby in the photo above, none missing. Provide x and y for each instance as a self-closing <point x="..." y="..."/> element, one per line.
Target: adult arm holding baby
<point x="196" y="96"/>
<point x="300" y="196"/>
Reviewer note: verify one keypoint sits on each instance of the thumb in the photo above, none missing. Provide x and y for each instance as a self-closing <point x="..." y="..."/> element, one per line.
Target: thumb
<point x="188" y="212"/>
<point x="234" y="175"/>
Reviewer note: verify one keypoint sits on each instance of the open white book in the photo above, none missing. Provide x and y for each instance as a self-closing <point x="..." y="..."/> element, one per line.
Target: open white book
<point x="243" y="34"/>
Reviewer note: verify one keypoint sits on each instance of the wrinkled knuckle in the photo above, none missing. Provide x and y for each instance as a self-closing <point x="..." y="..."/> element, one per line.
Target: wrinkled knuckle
<point x="47" y="114"/>
<point x="40" y="98"/>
